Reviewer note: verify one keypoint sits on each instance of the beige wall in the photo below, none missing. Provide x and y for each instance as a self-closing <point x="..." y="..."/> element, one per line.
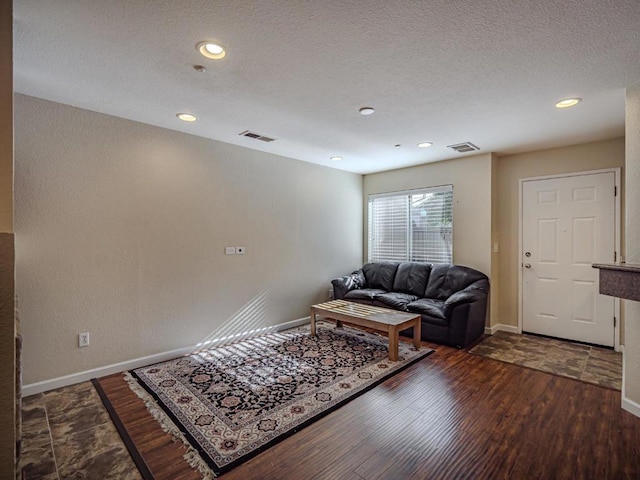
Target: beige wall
<point x="631" y="382"/>
<point x="7" y="328"/>
<point x="471" y="179"/>
<point x="511" y="168"/>
<point x="121" y="229"/>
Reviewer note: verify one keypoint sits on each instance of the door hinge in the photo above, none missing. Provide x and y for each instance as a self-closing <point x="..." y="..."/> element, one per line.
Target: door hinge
<point x="614" y="322"/>
<point x="615" y="256"/>
<point x="615" y="191"/>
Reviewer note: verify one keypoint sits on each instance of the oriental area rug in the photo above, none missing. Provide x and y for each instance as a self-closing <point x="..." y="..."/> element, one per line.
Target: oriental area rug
<point x="229" y="403"/>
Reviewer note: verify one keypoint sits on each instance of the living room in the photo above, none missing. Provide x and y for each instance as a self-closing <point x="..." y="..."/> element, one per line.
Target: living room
<point x="121" y="228"/>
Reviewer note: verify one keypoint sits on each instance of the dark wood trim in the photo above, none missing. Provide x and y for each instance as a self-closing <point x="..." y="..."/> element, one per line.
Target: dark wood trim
<point x="162" y="454"/>
<point x="10" y="386"/>
<point x="133" y="451"/>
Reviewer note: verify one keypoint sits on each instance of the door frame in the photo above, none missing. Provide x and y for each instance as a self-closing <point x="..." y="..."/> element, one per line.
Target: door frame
<point x="617" y="241"/>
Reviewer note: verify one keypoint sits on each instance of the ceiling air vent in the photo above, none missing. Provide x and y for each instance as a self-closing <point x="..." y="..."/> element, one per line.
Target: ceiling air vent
<point x="464" y="147"/>
<point x="257" y="136"/>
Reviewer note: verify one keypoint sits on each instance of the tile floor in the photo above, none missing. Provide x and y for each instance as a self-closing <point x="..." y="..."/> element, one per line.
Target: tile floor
<point x="68" y="434"/>
<point x="591" y="364"/>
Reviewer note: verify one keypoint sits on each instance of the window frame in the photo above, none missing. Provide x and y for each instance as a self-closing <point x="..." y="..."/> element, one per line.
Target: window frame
<point x="409" y="253"/>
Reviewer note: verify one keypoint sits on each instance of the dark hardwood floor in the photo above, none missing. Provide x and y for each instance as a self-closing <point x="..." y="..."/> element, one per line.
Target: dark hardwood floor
<point x="452" y="415"/>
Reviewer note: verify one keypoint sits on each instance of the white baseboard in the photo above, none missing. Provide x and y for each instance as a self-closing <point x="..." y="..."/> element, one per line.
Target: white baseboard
<point x="45" y="385"/>
<point x="631" y="406"/>
<point x="500" y="327"/>
<point x="628" y="404"/>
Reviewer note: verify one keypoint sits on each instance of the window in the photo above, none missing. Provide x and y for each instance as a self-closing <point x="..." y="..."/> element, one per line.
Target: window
<point x="415" y="225"/>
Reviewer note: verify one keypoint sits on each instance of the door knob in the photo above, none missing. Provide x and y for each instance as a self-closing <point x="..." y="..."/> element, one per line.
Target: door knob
<point x="527" y="254"/>
<point x="527" y="265"/>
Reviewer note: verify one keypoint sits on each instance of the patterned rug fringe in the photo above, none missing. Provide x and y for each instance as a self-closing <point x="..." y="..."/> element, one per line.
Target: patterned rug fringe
<point x="192" y="457"/>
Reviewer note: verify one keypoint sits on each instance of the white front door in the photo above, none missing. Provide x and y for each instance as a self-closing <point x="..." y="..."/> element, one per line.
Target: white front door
<point x="568" y="223"/>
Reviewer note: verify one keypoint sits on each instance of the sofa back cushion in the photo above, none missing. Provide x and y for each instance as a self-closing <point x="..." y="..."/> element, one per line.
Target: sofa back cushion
<point x="445" y="280"/>
<point x="411" y="278"/>
<point x="380" y="275"/>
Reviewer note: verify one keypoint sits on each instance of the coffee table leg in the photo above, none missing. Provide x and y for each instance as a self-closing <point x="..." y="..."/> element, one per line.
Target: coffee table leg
<point x="393" y="343"/>
<point x="339" y="324"/>
<point x="417" y="334"/>
<point x="313" y="321"/>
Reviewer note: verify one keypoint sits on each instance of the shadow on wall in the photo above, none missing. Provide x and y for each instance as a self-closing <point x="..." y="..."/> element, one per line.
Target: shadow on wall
<point x="248" y="321"/>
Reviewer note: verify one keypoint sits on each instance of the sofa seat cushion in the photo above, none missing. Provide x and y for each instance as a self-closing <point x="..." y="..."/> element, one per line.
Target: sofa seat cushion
<point x="396" y="300"/>
<point x="428" y="306"/>
<point x="364" y="294"/>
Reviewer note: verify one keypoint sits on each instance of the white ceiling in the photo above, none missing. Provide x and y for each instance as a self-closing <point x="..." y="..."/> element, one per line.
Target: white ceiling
<point x="445" y="71"/>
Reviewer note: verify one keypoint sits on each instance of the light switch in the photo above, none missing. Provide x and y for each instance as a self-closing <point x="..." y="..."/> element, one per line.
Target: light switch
<point x="229" y="250"/>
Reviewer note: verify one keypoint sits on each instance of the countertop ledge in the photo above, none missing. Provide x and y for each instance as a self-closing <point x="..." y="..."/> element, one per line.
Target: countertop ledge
<point x="620" y="267"/>
<point x="619" y="280"/>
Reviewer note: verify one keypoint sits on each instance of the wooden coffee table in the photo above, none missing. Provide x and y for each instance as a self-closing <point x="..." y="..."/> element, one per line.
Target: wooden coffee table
<point x="380" y="319"/>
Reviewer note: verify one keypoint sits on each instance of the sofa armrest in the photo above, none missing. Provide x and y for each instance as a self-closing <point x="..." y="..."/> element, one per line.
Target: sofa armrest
<point x="343" y="285"/>
<point x="475" y="292"/>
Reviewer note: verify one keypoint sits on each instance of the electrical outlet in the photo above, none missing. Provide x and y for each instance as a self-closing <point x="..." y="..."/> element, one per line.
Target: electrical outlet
<point x="83" y="339"/>
<point x="240" y="250"/>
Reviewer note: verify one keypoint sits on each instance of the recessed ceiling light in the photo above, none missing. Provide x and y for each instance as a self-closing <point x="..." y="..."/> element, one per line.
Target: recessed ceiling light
<point x="211" y="50"/>
<point x="366" y="110"/>
<point x="568" y="102"/>
<point x="335" y="158"/>
<point x="186" y="117"/>
<point x="425" y="144"/>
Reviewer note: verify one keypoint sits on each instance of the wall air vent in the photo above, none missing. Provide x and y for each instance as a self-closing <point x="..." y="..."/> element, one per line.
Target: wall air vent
<point x="464" y="147"/>
<point x="257" y="136"/>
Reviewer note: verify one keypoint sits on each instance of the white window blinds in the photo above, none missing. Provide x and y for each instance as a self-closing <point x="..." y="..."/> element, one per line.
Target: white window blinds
<point x="415" y="225"/>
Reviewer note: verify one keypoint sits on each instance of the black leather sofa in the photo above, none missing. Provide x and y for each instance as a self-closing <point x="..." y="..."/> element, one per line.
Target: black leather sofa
<point x="451" y="299"/>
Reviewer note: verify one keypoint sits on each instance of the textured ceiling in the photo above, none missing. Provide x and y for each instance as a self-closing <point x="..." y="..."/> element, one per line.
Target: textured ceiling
<point x="444" y="71"/>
